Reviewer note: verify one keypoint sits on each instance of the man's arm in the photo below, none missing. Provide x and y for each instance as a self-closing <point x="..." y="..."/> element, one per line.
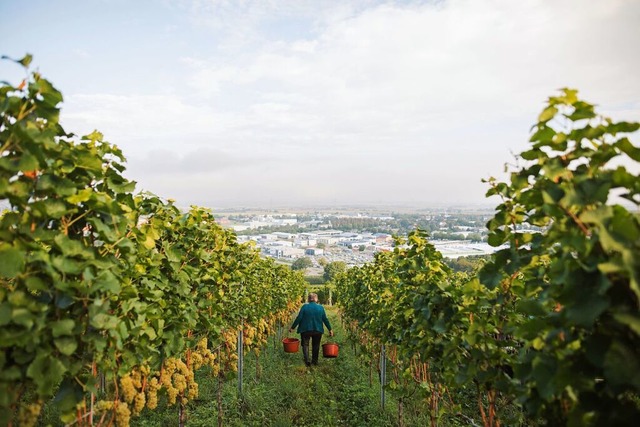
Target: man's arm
<point x="325" y="320"/>
<point x="298" y="319"/>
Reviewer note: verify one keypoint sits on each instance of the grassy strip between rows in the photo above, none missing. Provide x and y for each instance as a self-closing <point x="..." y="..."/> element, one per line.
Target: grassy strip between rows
<point x="337" y="392"/>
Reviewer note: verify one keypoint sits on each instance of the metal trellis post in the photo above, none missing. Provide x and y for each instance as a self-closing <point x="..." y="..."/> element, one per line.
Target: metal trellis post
<point x="240" y="358"/>
<point x="383" y="375"/>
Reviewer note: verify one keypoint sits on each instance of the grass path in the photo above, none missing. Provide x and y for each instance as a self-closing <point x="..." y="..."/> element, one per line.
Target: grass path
<point x="334" y="393"/>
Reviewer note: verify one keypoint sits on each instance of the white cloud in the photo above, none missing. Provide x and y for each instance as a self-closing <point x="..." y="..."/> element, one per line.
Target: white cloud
<point x="370" y="101"/>
<point x="478" y="58"/>
<point x="81" y="53"/>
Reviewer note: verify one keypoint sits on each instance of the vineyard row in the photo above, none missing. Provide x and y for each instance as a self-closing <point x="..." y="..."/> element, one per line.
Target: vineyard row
<point x="107" y="297"/>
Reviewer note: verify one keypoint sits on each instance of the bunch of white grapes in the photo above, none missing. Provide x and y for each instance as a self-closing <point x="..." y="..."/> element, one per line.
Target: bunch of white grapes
<point x="230" y="355"/>
<point x="248" y="335"/>
<point x="121" y="411"/>
<point x="178" y="380"/>
<point x="152" y="393"/>
<point x="201" y="356"/>
<point x="28" y="414"/>
<point x="132" y="386"/>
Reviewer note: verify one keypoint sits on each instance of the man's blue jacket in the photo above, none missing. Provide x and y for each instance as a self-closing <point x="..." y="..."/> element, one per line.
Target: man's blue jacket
<point x="310" y="318"/>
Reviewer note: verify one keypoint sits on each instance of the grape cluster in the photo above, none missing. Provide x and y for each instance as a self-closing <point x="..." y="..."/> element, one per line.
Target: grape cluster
<point x="123" y="415"/>
<point x="178" y="380"/>
<point x="138" y="403"/>
<point x="132" y="387"/>
<point x="263" y="330"/>
<point x="255" y="337"/>
<point x="127" y="388"/>
<point x="248" y="335"/>
<point x="215" y="369"/>
<point x="139" y="388"/>
<point x="201" y="356"/>
<point x="152" y="393"/>
<point x="28" y="414"/>
<point x="120" y="409"/>
<point x="230" y="355"/>
<point x="283" y="316"/>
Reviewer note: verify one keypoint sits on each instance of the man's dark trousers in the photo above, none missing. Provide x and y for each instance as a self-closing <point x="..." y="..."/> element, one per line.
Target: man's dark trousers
<point x="315" y="338"/>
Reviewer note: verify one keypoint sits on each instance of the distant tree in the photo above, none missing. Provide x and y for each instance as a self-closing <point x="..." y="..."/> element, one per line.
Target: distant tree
<point x="405" y="224"/>
<point x="314" y="280"/>
<point x="361" y="248"/>
<point x="332" y="269"/>
<point x="466" y="264"/>
<point x="323" y="262"/>
<point x="321" y="246"/>
<point x="301" y="263"/>
<point x="443" y="235"/>
<point x="474" y="237"/>
<point x="293" y="229"/>
<point x="325" y="294"/>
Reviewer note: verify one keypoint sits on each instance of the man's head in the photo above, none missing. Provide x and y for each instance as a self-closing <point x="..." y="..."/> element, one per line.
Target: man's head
<point x="312" y="297"/>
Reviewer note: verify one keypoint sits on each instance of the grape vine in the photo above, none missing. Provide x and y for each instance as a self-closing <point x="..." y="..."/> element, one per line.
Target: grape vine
<point x="552" y="322"/>
<point x="109" y="297"/>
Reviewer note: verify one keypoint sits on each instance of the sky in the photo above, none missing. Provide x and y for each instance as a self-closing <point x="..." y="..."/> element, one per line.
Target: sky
<point x="276" y="103"/>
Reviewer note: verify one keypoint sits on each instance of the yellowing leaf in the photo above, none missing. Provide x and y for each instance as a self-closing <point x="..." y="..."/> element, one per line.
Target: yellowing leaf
<point x="547" y="114"/>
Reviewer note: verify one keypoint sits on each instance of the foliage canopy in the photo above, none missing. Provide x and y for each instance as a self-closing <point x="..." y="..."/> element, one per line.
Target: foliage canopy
<point x="96" y="279"/>
<point x="552" y="321"/>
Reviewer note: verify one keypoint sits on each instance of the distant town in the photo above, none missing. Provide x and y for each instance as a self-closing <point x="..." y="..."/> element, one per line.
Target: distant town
<point x="355" y="237"/>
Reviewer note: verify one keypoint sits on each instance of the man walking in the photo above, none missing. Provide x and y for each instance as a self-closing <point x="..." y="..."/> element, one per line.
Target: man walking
<point x="309" y="322"/>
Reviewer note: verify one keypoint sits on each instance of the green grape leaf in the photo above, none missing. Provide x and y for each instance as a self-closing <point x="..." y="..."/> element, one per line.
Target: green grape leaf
<point x="46" y="372"/>
<point x="62" y="327"/>
<point x="66" y="345"/>
<point x="12" y="261"/>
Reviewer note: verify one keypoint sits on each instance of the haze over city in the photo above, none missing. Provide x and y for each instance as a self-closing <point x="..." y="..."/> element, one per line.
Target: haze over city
<point x="294" y="103"/>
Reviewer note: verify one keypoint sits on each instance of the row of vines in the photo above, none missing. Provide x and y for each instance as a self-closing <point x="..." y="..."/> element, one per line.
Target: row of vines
<point x="548" y="330"/>
<point x="107" y="297"/>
